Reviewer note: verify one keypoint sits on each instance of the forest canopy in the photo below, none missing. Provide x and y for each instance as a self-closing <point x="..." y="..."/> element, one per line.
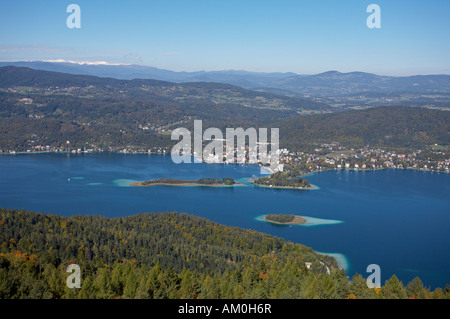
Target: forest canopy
<point x="169" y="255"/>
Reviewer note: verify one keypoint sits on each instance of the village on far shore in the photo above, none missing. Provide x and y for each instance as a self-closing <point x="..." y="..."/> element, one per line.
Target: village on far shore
<point x="325" y="156"/>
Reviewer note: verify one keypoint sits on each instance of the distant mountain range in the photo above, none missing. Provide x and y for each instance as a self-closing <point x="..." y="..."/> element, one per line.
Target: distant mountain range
<point x="129" y="72"/>
<point x="332" y="83"/>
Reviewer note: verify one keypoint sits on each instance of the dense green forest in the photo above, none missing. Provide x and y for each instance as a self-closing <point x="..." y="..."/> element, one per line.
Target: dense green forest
<point x="396" y="126"/>
<point x="169" y="255"/>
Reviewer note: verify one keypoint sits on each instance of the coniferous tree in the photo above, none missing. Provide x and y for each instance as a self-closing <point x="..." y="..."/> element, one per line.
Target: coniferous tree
<point x="394" y="289"/>
<point x="415" y="289"/>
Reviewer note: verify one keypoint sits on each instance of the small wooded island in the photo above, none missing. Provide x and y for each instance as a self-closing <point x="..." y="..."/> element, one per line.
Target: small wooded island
<point x="226" y="181"/>
<point x="285" y="219"/>
<point x="283" y="180"/>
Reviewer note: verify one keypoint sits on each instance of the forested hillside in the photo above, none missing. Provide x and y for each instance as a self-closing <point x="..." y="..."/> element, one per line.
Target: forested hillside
<point x="49" y="108"/>
<point x="397" y="126"/>
<point x="54" y="83"/>
<point x="168" y="255"/>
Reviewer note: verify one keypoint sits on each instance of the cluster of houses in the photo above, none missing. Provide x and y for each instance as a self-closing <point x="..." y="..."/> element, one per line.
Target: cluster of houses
<point x="333" y="156"/>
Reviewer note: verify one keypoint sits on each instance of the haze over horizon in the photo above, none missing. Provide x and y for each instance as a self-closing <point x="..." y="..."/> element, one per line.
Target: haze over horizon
<point x="264" y="36"/>
<point x="105" y="63"/>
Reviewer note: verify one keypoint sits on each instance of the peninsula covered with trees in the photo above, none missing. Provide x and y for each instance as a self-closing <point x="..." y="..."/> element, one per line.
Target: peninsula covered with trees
<point x="170" y="255"/>
<point x="285" y="179"/>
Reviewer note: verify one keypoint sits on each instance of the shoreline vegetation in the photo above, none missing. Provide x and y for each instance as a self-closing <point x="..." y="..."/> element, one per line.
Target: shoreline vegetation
<point x="207" y="261"/>
<point x="311" y="187"/>
<point x="214" y="182"/>
<point x="283" y="219"/>
<point x="285" y="180"/>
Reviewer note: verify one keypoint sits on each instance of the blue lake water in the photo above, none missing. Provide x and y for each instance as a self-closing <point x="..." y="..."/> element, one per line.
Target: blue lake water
<point x="398" y="219"/>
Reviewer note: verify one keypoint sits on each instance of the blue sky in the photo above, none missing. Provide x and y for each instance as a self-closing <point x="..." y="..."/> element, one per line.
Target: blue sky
<point x="304" y="37"/>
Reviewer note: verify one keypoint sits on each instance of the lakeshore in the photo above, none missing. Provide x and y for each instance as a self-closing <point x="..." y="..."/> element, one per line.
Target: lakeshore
<point x="267" y="169"/>
<point x="40" y="183"/>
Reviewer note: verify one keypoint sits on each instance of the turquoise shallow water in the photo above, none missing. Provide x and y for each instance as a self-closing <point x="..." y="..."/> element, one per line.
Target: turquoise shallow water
<point x="398" y="219"/>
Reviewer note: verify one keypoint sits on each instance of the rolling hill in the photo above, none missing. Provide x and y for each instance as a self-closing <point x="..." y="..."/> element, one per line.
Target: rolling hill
<point x="50" y="108"/>
<point x="397" y="126"/>
<point x="42" y="107"/>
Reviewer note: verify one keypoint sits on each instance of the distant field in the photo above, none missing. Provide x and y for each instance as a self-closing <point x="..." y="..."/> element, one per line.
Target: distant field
<point x="165" y="132"/>
<point x="443" y="108"/>
<point x="445" y="148"/>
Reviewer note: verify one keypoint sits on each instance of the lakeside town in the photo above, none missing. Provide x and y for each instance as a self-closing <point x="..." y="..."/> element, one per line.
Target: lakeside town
<point x="325" y="156"/>
<point x="334" y="156"/>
